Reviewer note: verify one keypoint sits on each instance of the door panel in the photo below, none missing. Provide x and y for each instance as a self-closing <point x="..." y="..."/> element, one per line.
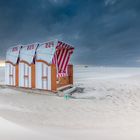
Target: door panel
<point x="43" y="75"/>
<point x="10" y="74"/>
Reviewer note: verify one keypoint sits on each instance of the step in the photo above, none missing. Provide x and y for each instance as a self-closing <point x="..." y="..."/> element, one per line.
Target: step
<point x="64" y="87"/>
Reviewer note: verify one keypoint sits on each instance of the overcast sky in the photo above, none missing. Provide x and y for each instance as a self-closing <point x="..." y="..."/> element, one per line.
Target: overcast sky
<point x="103" y="32"/>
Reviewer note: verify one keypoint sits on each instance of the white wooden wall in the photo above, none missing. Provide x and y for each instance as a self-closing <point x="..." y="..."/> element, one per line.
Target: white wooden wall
<point x="43" y="70"/>
<point x="24" y="75"/>
<point x="10" y="72"/>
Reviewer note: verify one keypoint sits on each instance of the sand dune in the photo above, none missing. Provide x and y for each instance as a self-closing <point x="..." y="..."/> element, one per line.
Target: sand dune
<point x="108" y="107"/>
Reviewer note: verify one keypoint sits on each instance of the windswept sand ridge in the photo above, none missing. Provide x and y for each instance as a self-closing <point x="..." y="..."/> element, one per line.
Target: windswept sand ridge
<point x="102" y="82"/>
<point x="111" y="110"/>
<point x="11" y="131"/>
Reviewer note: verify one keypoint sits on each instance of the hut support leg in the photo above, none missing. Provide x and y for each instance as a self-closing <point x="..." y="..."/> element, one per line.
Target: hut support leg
<point x="16" y="75"/>
<point x="70" y="73"/>
<point x="33" y="76"/>
<point x="53" y="78"/>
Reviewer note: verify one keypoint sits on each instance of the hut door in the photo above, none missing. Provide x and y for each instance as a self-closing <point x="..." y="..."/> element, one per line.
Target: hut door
<point x="27" y="76"/>
<point x="11" y="75"/>
<point x="44" y="76"/>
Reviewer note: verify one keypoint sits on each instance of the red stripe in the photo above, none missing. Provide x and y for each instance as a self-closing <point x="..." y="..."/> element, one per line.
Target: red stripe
<point x="54" y="59"/>
<point x="58" y="54"/>
<point x="61" y="57"/>
<point x="62" y="75"/>
<point x="61" y="45"/>
<point x="65" y="64"/>
<point x="58" y="44"/>
<point x="64" y="60"/>
<point x="67" y="60"/>
<point x="62" y="53"/>
<point x="60" y="49"/>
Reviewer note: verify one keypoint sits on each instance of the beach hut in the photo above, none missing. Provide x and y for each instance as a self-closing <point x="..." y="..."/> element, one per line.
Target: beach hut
<point x="11" y="65"/>
<point x="27" y="66"/>
<point x="52" y="65"/>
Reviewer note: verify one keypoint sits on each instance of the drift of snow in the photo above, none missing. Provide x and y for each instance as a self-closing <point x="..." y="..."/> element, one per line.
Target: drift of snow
<point x="107" y="106"/>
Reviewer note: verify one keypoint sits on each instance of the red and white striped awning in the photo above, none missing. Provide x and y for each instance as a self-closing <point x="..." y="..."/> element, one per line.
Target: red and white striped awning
<point x="62" y="57"/>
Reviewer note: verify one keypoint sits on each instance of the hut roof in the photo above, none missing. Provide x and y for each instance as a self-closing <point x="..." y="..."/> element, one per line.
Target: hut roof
<point x="12" y="54"/>
<point x="27" y="53"/>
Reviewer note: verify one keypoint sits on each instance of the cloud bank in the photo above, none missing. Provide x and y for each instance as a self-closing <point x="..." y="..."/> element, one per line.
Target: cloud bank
<point x="104" y="32"/>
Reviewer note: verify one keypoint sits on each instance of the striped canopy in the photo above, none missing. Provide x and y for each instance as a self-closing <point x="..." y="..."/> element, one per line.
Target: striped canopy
<point x="55" y="52"/>
<point x="62" y="56"/>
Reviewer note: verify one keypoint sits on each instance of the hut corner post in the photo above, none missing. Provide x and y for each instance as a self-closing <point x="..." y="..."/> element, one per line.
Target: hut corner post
<point x="53" y="78"/>
<point x="70" y="73"/>
<point x="16" y="76"/>
<point x="33" y="75"/>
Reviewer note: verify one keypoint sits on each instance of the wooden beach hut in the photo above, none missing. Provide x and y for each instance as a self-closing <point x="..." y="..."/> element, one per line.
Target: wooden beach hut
<point x="53" y="69"/>
<point x="11" y="66"/>
<point x="27" y="66"/>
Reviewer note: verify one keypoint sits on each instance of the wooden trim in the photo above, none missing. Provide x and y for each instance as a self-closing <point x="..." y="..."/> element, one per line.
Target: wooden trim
<point x="22" y="61"/>
<point x="44" y="77"/>
<point x="33" y="78"/>
<point x="67" y="80"/>
<point x="17" y="75"/>
<point x="44" y="62"/>
<point x="63" y="81"/>
<point x="10" y="63"/>
<point x="53" y="78"/>
<point x="70" y="73"/>
<point x="26" y="76"/>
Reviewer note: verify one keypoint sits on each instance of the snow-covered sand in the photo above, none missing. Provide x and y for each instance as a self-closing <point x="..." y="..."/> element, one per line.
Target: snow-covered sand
<point x="107" y="108"/>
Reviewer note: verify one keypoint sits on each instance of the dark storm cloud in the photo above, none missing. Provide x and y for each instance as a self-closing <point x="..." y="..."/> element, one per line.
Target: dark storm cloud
<point x="104" y="32"/>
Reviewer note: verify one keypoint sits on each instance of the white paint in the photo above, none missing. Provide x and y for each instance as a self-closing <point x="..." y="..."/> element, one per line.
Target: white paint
<point x="49" y="78"/>
<point x="44" y="53"/>
<point x="43" y="70"/>
<point x="12" y="54"/>
<point x="10" y="73"/>
<point x="24" y="75"/>
<point x="28" y="54"/>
